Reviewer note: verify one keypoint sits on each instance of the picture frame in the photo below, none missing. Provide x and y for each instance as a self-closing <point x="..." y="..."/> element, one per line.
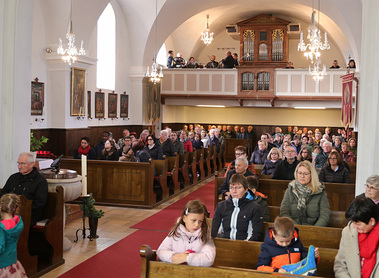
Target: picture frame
<point x="99" y="105"/>
<point x="37" y="98"/>
<point x="112" y="105"/>
<point x="89" y="105"/>
<point x="124" y="104"/>
<point x="78" y="88"/>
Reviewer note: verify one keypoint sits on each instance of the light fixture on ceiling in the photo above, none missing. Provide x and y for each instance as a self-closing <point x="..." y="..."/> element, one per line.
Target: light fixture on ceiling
<point x="69" y="54"/>
<point x="207" y="35"/>
<point x="154" y="75"/>
<point x="210" y="106"/>
<point x="299" y="107"/>
<point x="316" y="72"/>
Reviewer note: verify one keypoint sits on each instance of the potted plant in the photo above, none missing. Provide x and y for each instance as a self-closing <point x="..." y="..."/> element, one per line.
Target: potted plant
<point x="36" y="144"/>
<point x="93" y="214"/>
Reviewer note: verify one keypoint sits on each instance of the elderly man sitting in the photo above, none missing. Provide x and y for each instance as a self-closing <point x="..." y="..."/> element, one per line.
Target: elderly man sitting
<point x="167" y="146"/>
<point x="322" y="157"/>
<point x="30" y="183"/>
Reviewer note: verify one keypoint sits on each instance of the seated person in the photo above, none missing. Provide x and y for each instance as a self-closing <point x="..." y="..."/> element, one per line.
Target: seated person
<point x="109" y="152"/>
<point x="127" y="153"/>
<point x="179" y="62"/>
<point x="322" y="157"/>
<point x="167" y="147"/>
<point x="30" y="183"/>
<point x="187" y="144"/>
<point x="197" y="144"/>
<point x="100" y="146"/>
<point x="335" y="65"/>
<point x="259" y="155"/>
<point x="212" y="64"/>
<point x="120" y="141"/>
<point x="334" y="170"/>
<point x="286" y="168"/>
<point x="305" y="200"/>
<point x="85" y="149"/>
<point x="238" y="217"/>
<point x="205" y="138"/>
<point x="179" y="146"/>
<point x="258" y="197"/>
<point x="241" y="165"/>
<point x="353" y="146"/>
<point x="213" y="140"/>
<point x="297" y="143"/>
<point x="240" y="151"/>
<point x="281" y="246"/>
<point x="272" y="161"/>
<point x="154" y="148"/>
<point x="191" y="63"/>
<point x="372" y="189"/>
<point x="142" y="154"/>
<point x="305" y="153"/>
<point x="289" y="65"/>
<point x="229" y="133"/>
<point x="347" y="155"/>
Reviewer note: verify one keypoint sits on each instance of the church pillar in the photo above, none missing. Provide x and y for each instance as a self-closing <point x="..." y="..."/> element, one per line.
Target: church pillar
<point x="15" y="82"/>
<point x="368" y="118"/>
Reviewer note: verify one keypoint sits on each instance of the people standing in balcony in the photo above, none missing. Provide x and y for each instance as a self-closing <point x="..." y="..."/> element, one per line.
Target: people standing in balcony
<point x="335" y="65"/>
<point x="229" y="61"/>
<point x="235" y="57"/>
<point x="212" y="64"/>
<point x="289" y="65"/>
<point x="170" y="59"/>
<point x="192" y="63"/>
<point x="351" y="64"/>
<point x="179" y="62"/>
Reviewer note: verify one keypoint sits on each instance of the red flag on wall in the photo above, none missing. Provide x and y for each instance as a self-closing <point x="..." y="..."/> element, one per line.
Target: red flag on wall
<point x="347" y="107"/>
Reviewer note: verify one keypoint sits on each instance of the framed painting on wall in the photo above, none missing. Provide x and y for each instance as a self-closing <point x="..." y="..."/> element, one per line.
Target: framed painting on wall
<point x="112" y="105"/>
<point x="78" y="88"/>
<point x="89" y="104"/>
<point x="99" y="105"/>
<point x="124" y="102"/>
<point x="37" y="98"/>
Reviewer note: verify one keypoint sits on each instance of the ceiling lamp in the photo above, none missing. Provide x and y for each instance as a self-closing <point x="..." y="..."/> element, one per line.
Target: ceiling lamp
<point x="207" y="35"/>
<point x="69" y="54"/>
<point x="154" y="75"/>
<point x="316" y="73"/>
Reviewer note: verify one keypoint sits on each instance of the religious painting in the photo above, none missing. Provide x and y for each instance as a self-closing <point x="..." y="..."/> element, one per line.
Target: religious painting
<point x="112" y="105"/>
<point x="99" y="105"/>
<point x="124" y="103"/>
<point x="89" y="104"/>
<point x="37" y="98"/>
<point x="78" y="87"/>
<point x="153" y="101"/>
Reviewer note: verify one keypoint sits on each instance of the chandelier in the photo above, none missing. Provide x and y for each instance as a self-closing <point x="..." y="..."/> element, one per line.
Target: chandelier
<point x="207" y="35"/>
<point x="315" y="44"/>
<point x="316" y="73"/>
<point x="155" y="77"/>
<point x="69" y="54"/>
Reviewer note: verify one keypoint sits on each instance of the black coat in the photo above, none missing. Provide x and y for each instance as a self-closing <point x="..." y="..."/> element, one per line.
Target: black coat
<point x="269" y="167"/>
<point x="327" y="174"/>
<point x="285" y="171"/>
<point x="143" y="156"/>
<point x="168" y="148"/>
<point x="33" y="186"/>
<point x="259" y="157"/>
<point x="112" y="157"/>
<point x="155" y="152"/>
<point x="229" y="62"/>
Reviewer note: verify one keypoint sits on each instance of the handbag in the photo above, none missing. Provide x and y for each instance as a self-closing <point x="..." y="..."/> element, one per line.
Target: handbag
<point x="306" y="267"/>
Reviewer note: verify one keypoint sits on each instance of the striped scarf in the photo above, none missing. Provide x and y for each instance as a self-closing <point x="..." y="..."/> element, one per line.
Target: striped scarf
<point x="302" y="192"/>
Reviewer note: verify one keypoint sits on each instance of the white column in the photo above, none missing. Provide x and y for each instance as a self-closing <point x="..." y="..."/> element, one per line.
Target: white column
<point x="15" y="82"/>
<point x="368" y="121"/>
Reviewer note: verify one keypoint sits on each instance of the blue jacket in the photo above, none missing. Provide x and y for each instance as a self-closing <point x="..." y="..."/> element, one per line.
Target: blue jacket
<point x="8" y="242"/>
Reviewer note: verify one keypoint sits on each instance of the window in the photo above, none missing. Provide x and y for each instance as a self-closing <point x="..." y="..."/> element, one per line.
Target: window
<point x="106" y="49"/>
<point x="248" y="81"/>
<point x="264" y="81"/>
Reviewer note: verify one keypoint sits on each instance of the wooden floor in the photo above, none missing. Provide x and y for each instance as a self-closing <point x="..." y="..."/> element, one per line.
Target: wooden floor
<point x="114" y="226"/>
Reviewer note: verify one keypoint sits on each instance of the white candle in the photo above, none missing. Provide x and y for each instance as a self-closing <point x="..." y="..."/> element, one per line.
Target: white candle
<point x="84" y="175"/>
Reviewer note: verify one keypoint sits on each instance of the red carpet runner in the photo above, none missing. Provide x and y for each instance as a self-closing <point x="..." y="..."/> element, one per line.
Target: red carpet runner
<point x="122" y="258"/>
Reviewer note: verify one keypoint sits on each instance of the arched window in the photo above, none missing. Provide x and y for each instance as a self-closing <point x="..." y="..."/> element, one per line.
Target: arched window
<point x="106" y="49"/>
<point x="162" y="55"/>
<point x="263" y="81"/>
<point x="248" y="81"/>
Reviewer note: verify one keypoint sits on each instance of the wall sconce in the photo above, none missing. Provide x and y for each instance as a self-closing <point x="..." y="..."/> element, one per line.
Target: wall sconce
<point x="39" y="120"/>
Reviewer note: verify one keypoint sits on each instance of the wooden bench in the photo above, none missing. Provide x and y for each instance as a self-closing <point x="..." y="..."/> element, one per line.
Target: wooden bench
<point x="340" y="195"/>
<point x="173" y="174"/>
<point x="199" y="161"/>
<point x="183" y="169"/>
<point x="207" y="162"/>
<point x="337" y="218"/>
<point x="47" y="241"/>
<point x="192" y="166"/>
<point x="230" y="145"/>
<point x="160" y="177"/>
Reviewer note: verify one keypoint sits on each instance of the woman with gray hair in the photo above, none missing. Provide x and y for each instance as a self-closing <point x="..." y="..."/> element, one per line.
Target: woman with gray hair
<point x="372" y="189"/>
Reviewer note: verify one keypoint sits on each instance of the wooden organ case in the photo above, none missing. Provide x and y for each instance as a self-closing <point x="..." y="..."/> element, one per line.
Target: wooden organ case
<point x="263" y="47"/>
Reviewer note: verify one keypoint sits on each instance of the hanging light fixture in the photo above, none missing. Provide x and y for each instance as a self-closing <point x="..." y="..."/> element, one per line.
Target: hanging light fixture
<point x="316" y="73"/>
<point x="207" y="35"/>
<point x="154" y="75"/>
<point x="69" y="54"/>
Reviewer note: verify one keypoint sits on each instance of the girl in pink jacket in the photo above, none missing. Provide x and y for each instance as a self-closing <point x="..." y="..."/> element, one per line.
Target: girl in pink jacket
<point x="189" y="241"/>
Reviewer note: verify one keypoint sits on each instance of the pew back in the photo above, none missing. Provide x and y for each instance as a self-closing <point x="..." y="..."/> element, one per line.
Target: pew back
<point x="230" y="145"/>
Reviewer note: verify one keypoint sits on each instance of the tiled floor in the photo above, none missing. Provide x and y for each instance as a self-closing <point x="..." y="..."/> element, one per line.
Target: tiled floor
<point x="114" y="226"/>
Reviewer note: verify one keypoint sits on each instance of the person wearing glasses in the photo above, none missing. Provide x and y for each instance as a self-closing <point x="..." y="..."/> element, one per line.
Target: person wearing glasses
<point x="372" y="189"/>
<point x="272" y="161"/>
<point x="334" y="170"/>
<point x="30" y="183"/>
<point x="240" y="151"/>
<point x="238" y="217"/>
<point x="154" y="149"/>
<point x="305" y="200"/>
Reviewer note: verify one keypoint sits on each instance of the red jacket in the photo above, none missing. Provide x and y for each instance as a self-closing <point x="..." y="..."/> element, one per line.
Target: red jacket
<point x="188" y="145"/>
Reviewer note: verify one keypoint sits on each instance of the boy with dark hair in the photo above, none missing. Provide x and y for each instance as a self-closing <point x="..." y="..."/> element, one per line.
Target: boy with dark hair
<point x="281" y="246"/>
<point x="258" y="197"/>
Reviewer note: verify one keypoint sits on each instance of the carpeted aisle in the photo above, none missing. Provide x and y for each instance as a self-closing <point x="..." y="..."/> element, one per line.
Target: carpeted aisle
<point x="122" y="258"/>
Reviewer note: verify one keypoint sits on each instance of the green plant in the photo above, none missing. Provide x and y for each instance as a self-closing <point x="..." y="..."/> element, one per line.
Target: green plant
<point x="89" y="209"/>
<point x="36" y="144"/>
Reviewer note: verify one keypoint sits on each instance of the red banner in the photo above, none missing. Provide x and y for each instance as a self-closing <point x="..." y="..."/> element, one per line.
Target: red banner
<point x="347" y="106"/>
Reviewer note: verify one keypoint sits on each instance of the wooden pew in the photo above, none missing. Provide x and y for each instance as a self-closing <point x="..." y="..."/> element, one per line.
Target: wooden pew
<point x="47" y="241"/>
<point x="230" y="145"/>
<point x="340" y="195"/>
<point x="258" y="169"/>
<point x="173" y="173"/>
<point x="183" y="168"/>
<point x="122" y="183"/>
<point x="337" y="218"/>
<point x="207" y="162"/>
<point x="160" y="176"/>
<point x="199" y="161"/>
<point x="213" y="158"/>
<point x="192" y="165"/>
